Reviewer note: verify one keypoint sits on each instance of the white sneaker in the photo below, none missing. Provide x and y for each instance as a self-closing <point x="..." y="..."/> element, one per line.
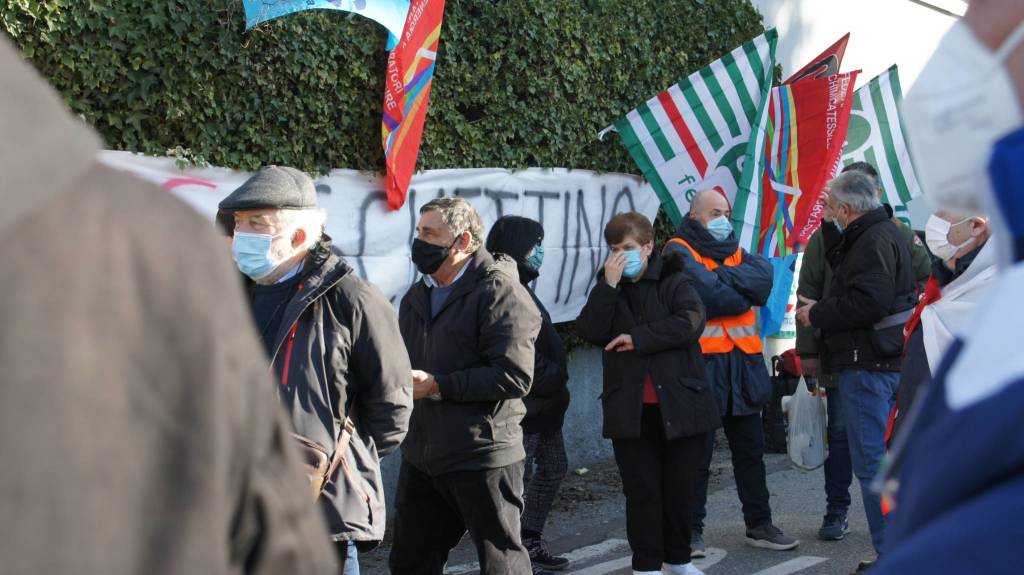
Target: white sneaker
<point x="646" y="572"/>
<point x="684" y="569"/>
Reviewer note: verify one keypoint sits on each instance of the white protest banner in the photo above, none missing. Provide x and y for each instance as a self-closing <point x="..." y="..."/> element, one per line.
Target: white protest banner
<point x="573" y="206"/>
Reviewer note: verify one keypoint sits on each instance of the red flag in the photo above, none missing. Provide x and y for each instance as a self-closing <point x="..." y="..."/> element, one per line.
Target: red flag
<point x="826" y="64"/>
<point x="407" y="95"/>
<point x="806" y="132"/>
<point x="830" y="126"/>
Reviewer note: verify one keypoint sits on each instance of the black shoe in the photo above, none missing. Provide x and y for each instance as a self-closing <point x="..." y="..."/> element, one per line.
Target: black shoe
<point x="768" y="536"/>
<point x="538" y="570"/>
<point x="697" y="547"/>
<point x="541" y="557"/>
<point x="834" y="527"/>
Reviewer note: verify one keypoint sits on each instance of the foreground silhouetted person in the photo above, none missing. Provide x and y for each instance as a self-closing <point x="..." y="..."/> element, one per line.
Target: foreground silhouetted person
<point x="470" y="327"/>
<point x="344" y="373"/>
<point x="659" y="410"/>
<point x="138" y="433"/>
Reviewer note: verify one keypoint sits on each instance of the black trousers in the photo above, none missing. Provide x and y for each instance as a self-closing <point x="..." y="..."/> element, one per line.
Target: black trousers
<point x="658" y="478"/>
<point x="746" y="444"/>
<point x="433" y="513"/>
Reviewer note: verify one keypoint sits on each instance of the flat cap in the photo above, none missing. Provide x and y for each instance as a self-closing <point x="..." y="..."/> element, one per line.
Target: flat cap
<point x="273" y="187"/>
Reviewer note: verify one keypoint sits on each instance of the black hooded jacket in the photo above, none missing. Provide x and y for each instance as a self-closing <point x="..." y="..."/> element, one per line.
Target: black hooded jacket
<point x="665" y="317"/>
<point x="338" y="352"/>
<point x="548" y="400"/>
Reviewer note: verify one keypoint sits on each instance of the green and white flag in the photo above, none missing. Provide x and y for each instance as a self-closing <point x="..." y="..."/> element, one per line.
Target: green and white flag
<point x="876" y="136"/>
<point x="708" y="132"/>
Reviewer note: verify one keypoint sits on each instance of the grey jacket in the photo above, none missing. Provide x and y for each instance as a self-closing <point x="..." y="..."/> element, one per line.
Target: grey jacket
<point x="138" y="434"/>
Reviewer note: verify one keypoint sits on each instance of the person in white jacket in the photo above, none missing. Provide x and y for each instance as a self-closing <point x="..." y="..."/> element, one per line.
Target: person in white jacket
<point x="963" y="270"/>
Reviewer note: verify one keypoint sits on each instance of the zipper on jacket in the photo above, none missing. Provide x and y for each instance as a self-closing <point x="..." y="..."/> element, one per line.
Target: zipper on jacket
<point x="855" y="356"/>
<point x="288" y="354"/>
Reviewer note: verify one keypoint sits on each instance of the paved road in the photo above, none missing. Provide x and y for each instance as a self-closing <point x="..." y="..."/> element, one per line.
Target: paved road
<point x="592" y="532"/>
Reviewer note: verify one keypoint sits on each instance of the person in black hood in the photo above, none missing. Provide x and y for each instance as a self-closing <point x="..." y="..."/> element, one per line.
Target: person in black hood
<point x="334" y="344"/>
<point x="470" y="328"/>
<point x="546" y="465"/>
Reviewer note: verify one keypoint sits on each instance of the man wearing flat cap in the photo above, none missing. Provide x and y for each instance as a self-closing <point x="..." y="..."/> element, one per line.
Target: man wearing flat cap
<point x="333" y="342"/>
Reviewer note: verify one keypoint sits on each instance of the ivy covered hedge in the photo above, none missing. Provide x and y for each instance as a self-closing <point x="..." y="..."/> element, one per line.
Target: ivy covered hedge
<point x="518" y="83"/>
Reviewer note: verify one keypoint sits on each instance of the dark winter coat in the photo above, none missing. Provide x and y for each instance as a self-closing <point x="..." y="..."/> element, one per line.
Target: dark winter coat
<point x="139" y="428"/>
<point x="548" y="399"/>
<point x="665" y="317"/>
<point x="872" y="280"/>
<point x="480" y="349"/>
<point x="816" y="277"/>
<point x="340" y="344"/>
<point x="741" y="382"/>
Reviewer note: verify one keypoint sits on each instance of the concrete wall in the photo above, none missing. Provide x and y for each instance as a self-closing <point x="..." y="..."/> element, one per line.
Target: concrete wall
<point x="582" y="422"/>
<point x="882" y="33"/>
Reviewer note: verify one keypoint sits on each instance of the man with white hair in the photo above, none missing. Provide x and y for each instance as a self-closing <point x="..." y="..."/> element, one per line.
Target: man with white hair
<point x="334" y="343"/>
<point x="873" y="293"/>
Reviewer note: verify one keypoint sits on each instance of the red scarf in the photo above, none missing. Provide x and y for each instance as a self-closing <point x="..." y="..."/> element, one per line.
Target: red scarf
<point x="932" y="294"/>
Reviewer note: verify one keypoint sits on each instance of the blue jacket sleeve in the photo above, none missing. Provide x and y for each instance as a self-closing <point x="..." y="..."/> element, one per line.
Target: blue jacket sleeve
<point x="720" y="299"/>
<point x="753" y="278"/>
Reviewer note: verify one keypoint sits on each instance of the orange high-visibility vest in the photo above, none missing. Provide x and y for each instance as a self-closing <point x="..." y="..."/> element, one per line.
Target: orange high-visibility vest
<point x="723" y="334"/>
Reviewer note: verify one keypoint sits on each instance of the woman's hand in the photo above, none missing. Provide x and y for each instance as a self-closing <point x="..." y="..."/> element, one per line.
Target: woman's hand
<point x="613" y="267"/>
<point x="622" y="343"/>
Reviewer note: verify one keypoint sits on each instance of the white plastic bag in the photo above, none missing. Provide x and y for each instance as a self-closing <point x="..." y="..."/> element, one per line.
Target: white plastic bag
<point x="808" y="423"/>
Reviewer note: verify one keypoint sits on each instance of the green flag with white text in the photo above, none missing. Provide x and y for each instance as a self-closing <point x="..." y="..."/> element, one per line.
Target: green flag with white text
<point x="875" y="136"/>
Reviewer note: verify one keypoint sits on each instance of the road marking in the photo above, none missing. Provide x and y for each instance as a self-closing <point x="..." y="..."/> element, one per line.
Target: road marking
<point x="606" y="547"/>
<point x="793" y="565"/>
<point x="714" y="556"/>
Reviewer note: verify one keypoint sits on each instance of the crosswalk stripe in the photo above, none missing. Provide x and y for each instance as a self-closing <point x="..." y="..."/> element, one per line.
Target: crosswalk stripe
<point x="793" y="565"/>
<point x="714" y="556"/>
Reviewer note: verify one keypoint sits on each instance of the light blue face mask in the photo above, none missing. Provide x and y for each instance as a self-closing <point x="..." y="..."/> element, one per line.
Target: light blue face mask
<point x="634" y="263"/>
<point x="839" y="226"/>
<point x="720" y="228"/>
<point x="252" y="253"/>
<point x="536" y="258"/>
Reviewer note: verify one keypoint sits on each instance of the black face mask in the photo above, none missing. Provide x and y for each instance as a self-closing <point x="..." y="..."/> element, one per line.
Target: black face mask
<point x="428" y="257"/>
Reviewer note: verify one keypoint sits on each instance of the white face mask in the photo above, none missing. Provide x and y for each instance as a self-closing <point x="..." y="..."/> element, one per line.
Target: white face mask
<point x="962" y="103"/>
<point x="936" y="235"/>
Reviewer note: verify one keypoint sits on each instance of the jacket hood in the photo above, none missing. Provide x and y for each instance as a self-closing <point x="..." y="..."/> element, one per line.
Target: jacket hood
<point x="701" y="239"/>
<point x="44" y="149"/>
<point x="516" y="236"/>
<point x="325" y="265"/>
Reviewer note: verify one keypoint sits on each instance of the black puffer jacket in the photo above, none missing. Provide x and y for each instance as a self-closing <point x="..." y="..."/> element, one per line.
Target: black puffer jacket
<point x="339" y="351"/>
<point x="872" y="279"/>
<point x="549" y="397"/>
<point x="665" y="317"/>
<point x="480" y="349"/>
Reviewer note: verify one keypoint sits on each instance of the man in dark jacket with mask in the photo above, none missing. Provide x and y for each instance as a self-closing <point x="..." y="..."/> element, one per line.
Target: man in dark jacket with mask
<point x="520" y="239"/>
<point x="470" y="327"/>
<point x="872" y="295"/>
<point x="731" y="282"/>
<point x="333" y="340"/>
<point x="814" y="283"/>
